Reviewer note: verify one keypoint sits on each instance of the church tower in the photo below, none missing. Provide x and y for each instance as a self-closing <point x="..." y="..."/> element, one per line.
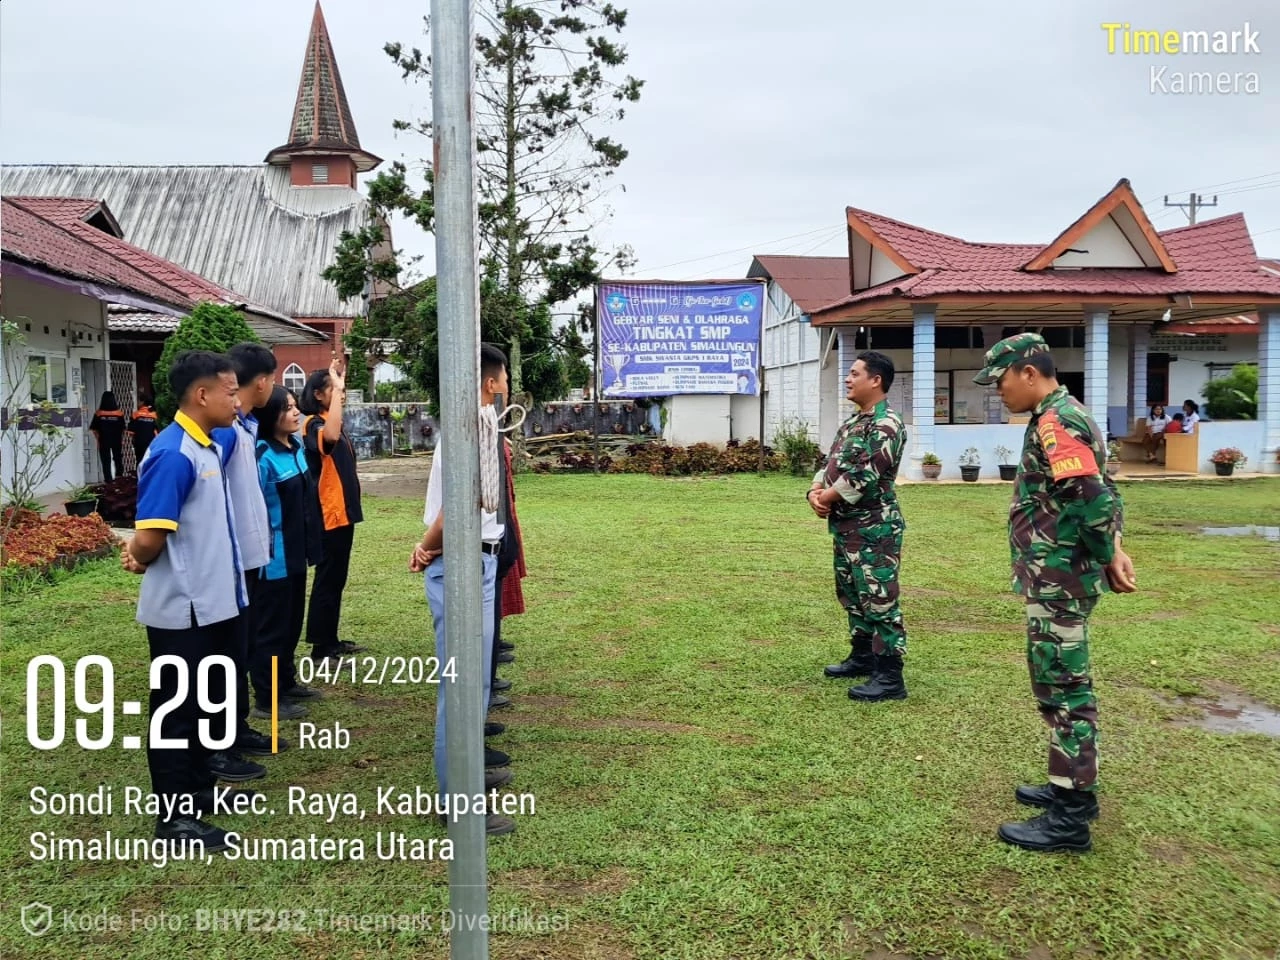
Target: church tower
<point x="323" y="148"/>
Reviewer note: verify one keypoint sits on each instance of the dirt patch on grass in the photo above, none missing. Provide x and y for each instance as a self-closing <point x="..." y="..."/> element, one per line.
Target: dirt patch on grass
<point x="542" y="885"/>
<point x="634" y="723"/>
<point x="581" y="941"/>
<point x="549" y="702"/>
<point x="1166" y="851"/>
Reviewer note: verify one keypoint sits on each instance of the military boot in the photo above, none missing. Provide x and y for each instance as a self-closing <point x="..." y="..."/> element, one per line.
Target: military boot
<point x="860" y="662"/>
<point x="1042" y="796"/>
<point x="1064" y="826"/>
<point x="886" y="682"/>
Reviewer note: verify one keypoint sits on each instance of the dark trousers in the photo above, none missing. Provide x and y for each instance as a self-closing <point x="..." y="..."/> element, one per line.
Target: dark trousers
<point x="280" y="605"/>
<point x="326" y="591"/>
<point x="108" y="453"/>
<point x="140" y="451"/>
<point x="181" y="770"/>
<point x="245" y="643"/>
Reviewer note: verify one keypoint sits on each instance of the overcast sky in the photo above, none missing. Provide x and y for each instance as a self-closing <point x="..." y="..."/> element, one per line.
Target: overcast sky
<point x="759" y="121"/>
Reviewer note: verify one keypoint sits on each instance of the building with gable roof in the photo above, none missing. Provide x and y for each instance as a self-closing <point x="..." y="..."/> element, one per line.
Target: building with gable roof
<point x="1115" y="298"/>
<point x="264" y="230"/>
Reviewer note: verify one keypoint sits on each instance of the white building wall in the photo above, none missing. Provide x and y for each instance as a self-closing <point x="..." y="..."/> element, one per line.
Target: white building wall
<point x="790" y="351"/>
<point x="64" y="325"/>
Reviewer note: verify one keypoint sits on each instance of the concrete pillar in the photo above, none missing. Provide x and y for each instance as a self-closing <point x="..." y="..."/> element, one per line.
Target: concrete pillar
<point x="1139" y="347"/>
<point x="1269" y="388"/>
<point x="848" y="352"/>
<point x="923" y="364"/>
<point x="1097" y="327"/>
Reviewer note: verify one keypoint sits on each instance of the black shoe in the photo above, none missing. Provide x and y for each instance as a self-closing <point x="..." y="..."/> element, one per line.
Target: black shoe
<point x="301" y="692"/>
<point x="499" y="702"/>
<point x="1064" y="826"/>
<point x="257" y="744"/>
<point x="860" y="662"/>
<point x="495" y="825"/>
<point x="496" y="777"/>
<point x="500" y="684"/>
<point x="204" y="799"/>
<point x="285" y="710"/>
<point x="506" y="656"/>
<point x="184" y="830"/>
<point x="506" y="645"/>
<point x="492" y="728"/>
<point x="885" y="684"/>
<point x="495" y="758"/>
<point x="332" y="657"/>
<point x="346" y="646"/>
<point x="234" y="768"/>
<point x="1042" y="796"/>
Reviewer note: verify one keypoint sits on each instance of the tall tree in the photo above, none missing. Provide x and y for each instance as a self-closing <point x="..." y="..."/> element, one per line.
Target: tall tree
<point x="210" y="326"/>
<point x="547" y="81"/>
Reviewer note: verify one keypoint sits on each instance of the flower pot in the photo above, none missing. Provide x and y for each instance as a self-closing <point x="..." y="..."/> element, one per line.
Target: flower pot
<point x="969" y="474"/>
<point x="1224" y="469"/>
<point x="1008" y="471"/>
<point x="80" y="508"/>
<point x="931" y="470"/>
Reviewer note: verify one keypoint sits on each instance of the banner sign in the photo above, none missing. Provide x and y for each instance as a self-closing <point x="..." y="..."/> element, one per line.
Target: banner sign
<point x="659" y="339"/>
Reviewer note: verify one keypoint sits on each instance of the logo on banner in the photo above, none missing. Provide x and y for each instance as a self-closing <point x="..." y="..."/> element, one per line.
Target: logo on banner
<point x="616" y="303"/>
<point x="746" y="301"/>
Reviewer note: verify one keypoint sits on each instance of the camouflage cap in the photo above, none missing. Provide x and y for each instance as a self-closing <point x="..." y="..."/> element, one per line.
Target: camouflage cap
<point x="1007" y="352"/>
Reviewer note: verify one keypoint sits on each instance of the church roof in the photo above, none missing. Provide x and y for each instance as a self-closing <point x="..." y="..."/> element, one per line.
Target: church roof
<point x="322" y="121"/>
<point x="243" y="227"/>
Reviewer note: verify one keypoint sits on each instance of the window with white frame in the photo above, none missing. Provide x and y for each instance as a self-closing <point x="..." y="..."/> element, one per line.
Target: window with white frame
<point x="47" y="377"/>
<point x="294" y="377"/>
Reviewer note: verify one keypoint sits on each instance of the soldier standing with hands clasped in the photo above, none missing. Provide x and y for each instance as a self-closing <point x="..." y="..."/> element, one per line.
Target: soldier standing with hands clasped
<point x="856" y="495"/>
<point x="1065" y="524"/>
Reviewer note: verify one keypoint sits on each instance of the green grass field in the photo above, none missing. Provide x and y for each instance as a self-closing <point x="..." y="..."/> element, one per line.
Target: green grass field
<point x="702" y="791"/>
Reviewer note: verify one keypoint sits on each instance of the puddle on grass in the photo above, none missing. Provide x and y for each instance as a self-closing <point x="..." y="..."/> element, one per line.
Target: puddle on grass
<point x="1230" y="713"/>
<point x="1267" y="533"/>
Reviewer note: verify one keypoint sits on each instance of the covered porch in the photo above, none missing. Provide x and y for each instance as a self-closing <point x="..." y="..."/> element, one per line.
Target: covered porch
<point x="1099" y="293"/>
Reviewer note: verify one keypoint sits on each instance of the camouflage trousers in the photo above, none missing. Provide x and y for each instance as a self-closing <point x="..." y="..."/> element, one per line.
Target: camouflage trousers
<point x="1058" y="659"/>
<point x="866" y="567"/>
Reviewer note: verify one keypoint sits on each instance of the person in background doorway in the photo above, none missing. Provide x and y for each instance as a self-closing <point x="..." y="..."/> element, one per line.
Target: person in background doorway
<point x="142" y="428"/>
<point x="108" y="427"/>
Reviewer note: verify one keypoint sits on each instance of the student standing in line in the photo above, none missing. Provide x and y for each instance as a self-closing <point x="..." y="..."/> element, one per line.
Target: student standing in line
<point x="280" y="596"/>
<point x="142" y="429"/>
<point x="331" y="458"/>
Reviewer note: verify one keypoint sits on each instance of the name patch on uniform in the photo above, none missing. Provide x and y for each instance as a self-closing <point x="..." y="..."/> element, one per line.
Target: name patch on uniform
<point x="1068" y="456"/>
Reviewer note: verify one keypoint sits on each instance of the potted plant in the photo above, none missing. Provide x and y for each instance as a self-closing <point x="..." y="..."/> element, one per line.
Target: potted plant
<point x="1007" y="470"/>
<point x="1226" y="459"/>
<point x="970" y="464"/>
<point x="931" y="466"/>
<point x="1113" y="458"/>
<point x="81" y="501"/>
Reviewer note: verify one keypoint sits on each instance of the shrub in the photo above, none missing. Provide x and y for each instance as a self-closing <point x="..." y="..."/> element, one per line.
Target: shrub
<point x="1235" y="396"/>
<point x="41" y="543"/>
<point x="801" y="455"/>
<point x="211" y="326"/>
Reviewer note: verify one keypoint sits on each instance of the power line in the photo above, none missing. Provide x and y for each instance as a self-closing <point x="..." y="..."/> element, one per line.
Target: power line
<point x="751" y="246"/>
<point x="1225" y="183"/>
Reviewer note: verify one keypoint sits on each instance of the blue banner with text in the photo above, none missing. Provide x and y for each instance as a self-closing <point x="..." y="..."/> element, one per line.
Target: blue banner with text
<point x="659" y="339"/>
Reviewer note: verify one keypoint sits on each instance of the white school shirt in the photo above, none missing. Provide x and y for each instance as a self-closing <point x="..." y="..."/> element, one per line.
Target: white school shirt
<point x="490" y="529"/>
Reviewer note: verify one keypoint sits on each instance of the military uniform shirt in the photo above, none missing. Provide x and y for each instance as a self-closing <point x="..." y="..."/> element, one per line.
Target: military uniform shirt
<point x="1066" y="511"/>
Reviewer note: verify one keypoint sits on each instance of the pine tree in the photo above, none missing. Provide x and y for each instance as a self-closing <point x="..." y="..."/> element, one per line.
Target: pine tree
<point x="210" y="326"/>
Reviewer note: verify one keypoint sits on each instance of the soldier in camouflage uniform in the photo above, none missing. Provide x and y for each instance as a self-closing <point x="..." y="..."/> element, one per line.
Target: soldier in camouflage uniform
<point x="855" y="493"/>
<point x="1064" y="537"/>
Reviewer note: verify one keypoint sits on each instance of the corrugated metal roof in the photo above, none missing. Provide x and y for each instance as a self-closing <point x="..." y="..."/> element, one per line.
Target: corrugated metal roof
<point x="243" y="227"/>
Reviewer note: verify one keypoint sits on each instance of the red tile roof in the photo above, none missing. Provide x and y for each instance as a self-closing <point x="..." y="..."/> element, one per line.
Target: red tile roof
<point x="811" y="282"/>
<point x="55" y="233"/>
<point x="1215" y="257"/>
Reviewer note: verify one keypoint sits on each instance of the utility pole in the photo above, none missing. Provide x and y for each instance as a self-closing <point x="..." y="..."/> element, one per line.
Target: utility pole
<point x="452" y="44"/>
<point x="1195" y="201"/>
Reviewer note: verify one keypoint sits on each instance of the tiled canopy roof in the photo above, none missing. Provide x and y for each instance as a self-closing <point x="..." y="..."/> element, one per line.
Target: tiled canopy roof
<point x="1214" y="259"/>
